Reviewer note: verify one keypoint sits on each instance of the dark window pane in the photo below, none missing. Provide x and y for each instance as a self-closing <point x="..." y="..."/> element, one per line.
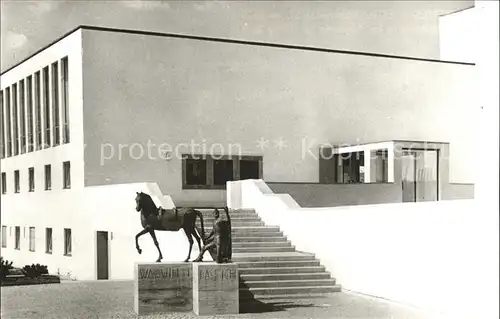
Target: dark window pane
<point x="249" y="169"/>
<point x="196" y="172"/>
<point x="223" y="171"/>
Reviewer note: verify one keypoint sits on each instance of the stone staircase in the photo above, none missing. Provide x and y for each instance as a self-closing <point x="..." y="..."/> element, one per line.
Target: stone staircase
<point x="270" y="268"/>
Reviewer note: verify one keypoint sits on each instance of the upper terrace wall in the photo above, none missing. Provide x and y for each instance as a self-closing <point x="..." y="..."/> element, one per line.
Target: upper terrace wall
<point x="332" y="195"/>
<point x="172" y="90"/>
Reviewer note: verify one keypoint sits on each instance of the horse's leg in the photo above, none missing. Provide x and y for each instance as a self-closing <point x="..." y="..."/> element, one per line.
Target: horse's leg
<point x="197" y="239"/>
<point x="153" y="235"/>
<point x="142" y="232"/>
<point x="190" y="239"/>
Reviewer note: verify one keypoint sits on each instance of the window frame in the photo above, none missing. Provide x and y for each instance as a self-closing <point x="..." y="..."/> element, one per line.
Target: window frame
<point x="47" y="177"/>
<point x="211" y="168"/>
<point x="4" y="236"/>
<point x="17" y="181"/>
<point x="66" y="175"/>
<point x="47" y="251"/>
<point x="17" y="238"/>
<point x="31" y="179"/>
<point x="31" y="241"/>
<point x="68" y="249"/>
<point x="4" y="183"/>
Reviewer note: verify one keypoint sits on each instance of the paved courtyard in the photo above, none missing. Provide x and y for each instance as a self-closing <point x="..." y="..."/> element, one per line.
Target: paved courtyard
<point x="114" y="299"/>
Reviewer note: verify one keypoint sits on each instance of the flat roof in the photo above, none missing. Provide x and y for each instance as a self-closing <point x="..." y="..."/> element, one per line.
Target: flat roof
<point x="345" y="145"/>
<point x="233" y="41"/>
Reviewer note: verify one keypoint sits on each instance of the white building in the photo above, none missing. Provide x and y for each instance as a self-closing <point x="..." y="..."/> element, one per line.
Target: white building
<point x="102" y="113"/>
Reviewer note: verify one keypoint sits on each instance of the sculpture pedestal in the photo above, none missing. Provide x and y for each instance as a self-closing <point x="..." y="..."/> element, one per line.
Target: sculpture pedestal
<point x="215" y="288"/>
<point x="163" y="287"/>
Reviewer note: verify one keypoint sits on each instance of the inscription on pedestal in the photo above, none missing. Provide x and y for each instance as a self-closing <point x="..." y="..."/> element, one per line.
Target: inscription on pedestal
<point x="215" y="288"/>
<point x="163" y="287"/>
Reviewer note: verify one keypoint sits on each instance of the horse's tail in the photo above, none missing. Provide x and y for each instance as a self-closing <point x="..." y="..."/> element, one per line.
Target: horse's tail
<point x="230" y="243"/>
<point x="226" y="209"/>
<point x="200" y="215"/>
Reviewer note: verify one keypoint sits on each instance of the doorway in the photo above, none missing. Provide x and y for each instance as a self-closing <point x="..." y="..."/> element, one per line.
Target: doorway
<point x="102" y="255"/>
<point x="408" y="173"/>
<point x="419" y="181"/>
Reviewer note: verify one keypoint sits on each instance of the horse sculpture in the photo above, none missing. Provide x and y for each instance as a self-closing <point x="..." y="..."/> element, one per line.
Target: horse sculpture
<point x="153" y="218"/>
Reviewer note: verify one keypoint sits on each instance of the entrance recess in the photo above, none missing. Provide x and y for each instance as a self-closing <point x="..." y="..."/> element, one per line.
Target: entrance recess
<point x="102" y="255"/>
<point x="419" y="181"/>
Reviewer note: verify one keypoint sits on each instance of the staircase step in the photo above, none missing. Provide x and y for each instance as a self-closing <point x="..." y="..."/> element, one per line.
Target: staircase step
<point x="290" y="276"/>
<point x="237" y="223"/>
<point x="247" y="299"/>
<point x="287" y="290"/>
<point x="264" y="239"/>
<point x="288" y="283"/>
<point x="257" y="234"/>
<point x="259" y="244"/>
<point x="262" y="249"/>
<point x="278" y="263"/>
<point x="253" y="229"/>
<point x="210" y="220"/>
<point x="281" y="270"/>
<point x="288" y="256"/>
<point x="209" y="213"/>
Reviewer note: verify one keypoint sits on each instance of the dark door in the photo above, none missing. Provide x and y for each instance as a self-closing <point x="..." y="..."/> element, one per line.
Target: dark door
<point x="102" y="255"/>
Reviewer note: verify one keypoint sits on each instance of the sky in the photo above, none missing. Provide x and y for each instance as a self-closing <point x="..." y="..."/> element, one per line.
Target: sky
<point x="408" y="28"/>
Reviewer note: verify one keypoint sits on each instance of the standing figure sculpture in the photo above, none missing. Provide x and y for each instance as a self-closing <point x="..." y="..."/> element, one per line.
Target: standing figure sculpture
<point x="153" y="218"/>
<point x="218" y="242"/>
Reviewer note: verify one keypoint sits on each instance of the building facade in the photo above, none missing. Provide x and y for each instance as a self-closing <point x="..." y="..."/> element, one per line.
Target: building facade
<point x="101" y="113"/>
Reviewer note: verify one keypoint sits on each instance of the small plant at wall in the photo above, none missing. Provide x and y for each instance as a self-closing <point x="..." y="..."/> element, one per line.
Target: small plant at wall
<point x="35" y="271"/>
<point x="5" y="266"/>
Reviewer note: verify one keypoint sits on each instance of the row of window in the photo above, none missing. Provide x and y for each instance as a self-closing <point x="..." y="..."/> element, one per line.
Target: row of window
<point x="31" y="242"/>
<point x="31" y="178"/>
<point x="31" y="111"/>
<point x="204" y="171"/>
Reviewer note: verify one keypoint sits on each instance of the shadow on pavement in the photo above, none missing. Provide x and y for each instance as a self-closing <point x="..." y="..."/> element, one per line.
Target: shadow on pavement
<point x="255" y="306"/>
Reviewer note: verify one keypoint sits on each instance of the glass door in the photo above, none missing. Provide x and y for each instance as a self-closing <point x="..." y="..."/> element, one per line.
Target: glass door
<point x="408" y="173"/>
<point x="426" y="175"/>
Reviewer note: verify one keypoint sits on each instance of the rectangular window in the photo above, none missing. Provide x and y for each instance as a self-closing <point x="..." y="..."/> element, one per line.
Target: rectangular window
<point x="4" y="183"/>
<point x="201" y="171"/>
<point x="4" y="236"/>
<point x="55" y="104"/>
<point x="8" y="123"/>
<point x="48" y="240"/>
<point x="250" y="169"/>
<point x="29" y="107"/>
<point x="17" y="186"/>
<point x="17" y="238"/>
<point x="32" y="239"/>
<point x="67" y="242"/>
<point x="223" y="172"/>
<point x="38" y="112"/>
<point x="64" y="99"/>
<point x="2" y="128"/>
<point x="46" y="106"/>
<point x="196" y="172"/>
<point x="48" y="177"/>
<point x="66" y="175"/>
<point x="22" y="118"/>
<point x="15" y="119"/>
<point x="350" y="168"/>
<point x="31" y="178"/>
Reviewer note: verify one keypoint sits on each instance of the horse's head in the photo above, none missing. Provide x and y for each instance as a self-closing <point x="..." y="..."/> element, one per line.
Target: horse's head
<point x="145" y="204"/>
<point x="138" y="201"/>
